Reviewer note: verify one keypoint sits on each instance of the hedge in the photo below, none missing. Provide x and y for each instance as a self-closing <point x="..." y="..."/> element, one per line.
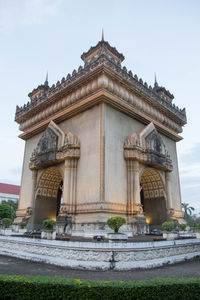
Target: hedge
<point x="37" y="288"/>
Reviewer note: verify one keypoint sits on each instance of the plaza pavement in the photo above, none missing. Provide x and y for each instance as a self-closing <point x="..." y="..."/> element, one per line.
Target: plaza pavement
<point x="15" y="266"/>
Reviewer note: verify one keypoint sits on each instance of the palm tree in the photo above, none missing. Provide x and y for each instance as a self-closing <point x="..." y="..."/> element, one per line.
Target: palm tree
<point x="187" y="209"/>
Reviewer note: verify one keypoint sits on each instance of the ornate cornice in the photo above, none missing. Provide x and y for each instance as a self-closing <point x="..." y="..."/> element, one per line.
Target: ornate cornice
<point x="94" y="207"/>
<point x="102" y="71"/>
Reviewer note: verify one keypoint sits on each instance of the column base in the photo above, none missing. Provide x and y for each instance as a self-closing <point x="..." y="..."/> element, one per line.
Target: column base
<point x="64" y="225"/>
<point x="138" y="225"/>
<point x="170" y="213"/>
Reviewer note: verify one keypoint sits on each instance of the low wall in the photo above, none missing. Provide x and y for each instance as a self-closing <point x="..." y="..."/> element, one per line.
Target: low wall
<point x="100" y="255"/>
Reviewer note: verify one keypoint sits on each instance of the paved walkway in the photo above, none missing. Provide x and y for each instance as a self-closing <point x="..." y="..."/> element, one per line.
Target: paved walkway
<point x="15" y="266"/>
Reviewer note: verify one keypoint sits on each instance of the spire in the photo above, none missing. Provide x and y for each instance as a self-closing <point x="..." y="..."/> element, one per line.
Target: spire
<point x="102" y="36"/>
<point x="155" y="83"/>
<point x="46" y="81"/>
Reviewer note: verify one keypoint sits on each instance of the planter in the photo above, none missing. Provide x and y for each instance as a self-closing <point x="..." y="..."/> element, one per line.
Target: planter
<point x="48" y="234"/>
<point x="6" y="231"/>
<point x="117" y="237"/>
<point x="198" y="235"/>
<point x="170" y="235"/>
<point x="22" y="230"/>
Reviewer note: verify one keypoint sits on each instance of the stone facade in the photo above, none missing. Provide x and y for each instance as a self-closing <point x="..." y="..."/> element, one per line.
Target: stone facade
<point x="100" y="143"/>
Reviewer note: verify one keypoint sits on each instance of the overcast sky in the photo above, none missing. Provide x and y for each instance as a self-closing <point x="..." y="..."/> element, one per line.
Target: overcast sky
<point x="154" y="35"/>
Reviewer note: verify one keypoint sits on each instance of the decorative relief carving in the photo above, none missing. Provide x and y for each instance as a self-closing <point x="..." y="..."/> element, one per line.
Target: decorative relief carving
<point x="54" y="146"/>
<point x="100" y="254"/>
<point x="147" y="147"/>
<point x="112" y="86"/>
<point x="92" y="207"/>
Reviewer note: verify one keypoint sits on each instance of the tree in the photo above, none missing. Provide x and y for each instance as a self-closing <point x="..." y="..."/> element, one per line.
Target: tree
<point x="115" y="223"/>
<point x="187" y="209"/>
<point x="6" y="211"/>
<point x="168" y="226"/>
<point x="12" y="203"/>
<point x="6" y="222"/>
<point x="48" y="224"/>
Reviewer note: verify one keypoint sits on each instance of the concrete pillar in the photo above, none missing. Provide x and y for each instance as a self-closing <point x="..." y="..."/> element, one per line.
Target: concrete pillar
<point x="133" y="188"/>
<point x="67" y="183"/>
<point x="136" y="183"/>
<point x="34" y="180"/>
<point x="168" y="189"/>
<point x="74" y="185"/>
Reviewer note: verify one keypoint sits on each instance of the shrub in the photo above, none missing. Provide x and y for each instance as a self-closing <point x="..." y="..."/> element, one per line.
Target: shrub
<point x="182" y="227"/>
<point x="198" y="227"/>
<point x="6" y="222"/>
<point x="115" y="223"/>
<point x="48" y="224"/>
<point x="22" y="225"/>
<point x="39" y="288"/>
<point x="168" y="226"/>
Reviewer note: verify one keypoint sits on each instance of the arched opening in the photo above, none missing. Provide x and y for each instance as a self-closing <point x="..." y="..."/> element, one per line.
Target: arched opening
<point x="48" y="196"/>
<point x="153" y="197"/>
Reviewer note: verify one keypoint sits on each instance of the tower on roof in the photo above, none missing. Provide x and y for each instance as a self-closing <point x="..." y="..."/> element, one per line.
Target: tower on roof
<point x="102" y="36"/>
<point x="155" y="82"/>
<point x="46" y="83"/>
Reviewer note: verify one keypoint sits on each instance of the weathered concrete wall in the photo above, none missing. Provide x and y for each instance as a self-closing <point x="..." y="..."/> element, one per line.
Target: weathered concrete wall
<point x="117" y="127"/>
<point x="26" y="182"/>
<point x="86" y="126"/>
<point x="175" y="182"/>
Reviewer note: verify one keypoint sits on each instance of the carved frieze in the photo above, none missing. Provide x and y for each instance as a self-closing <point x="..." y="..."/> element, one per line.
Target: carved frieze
<point x="148" y="147"/>
<point x="54" y="146"/>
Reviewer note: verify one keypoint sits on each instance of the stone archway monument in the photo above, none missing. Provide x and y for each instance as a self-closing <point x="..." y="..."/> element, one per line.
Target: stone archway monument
<point x="100" y="143"/>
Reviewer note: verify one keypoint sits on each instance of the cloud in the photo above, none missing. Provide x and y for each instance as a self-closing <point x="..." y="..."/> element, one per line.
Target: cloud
<point x="18" y="14"/>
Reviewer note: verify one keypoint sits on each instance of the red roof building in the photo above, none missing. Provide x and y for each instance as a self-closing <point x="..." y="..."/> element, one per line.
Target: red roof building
<point x="9" y="192"/>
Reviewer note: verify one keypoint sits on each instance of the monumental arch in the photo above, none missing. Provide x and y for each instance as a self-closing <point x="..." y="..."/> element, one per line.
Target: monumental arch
<point x="100" y="143"/>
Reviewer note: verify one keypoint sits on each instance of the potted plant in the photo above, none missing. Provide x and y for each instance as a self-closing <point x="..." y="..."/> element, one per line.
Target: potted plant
<point x="115" y="223"/>
<point x="48" y="231"/>
<point x="182" y="227"/>
<point x="168" y="228"/>
<point x="6" y="222"/>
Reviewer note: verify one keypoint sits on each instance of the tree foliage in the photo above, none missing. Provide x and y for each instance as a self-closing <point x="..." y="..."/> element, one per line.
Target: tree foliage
<point x="6" y="211"/>
<point x="168" y="226"/>
<point x="6" y="222"/>
<point x="115" y="223"/>
<point x="48" y="224"/>
<point x="12" y="203"/>
<point x="192" y="219"/>
<point x="187" y="209"/>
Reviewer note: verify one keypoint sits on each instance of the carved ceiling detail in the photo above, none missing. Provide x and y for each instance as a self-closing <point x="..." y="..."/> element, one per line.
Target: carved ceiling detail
<point x="49" y="182"/>
<point x="152" y="184"/>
